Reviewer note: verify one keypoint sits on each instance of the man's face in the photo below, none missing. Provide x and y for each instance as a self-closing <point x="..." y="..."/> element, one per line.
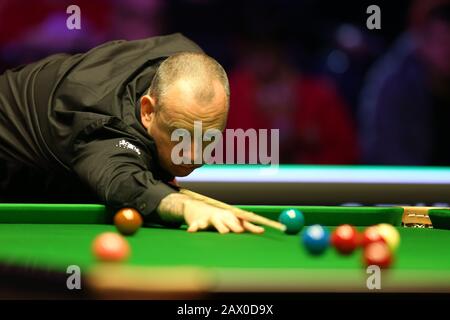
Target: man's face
<point x="180" y="111"/>
<point x="161" y="134"/>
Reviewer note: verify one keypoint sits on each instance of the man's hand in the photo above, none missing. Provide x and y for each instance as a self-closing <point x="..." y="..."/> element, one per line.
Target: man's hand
<point x="201" y="216"/>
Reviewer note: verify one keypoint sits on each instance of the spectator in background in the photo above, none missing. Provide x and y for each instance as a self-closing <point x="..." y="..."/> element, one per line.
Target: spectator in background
<point x="137" y="19"/>
<point x="41" y="29"/>
<point x="268" y="92"/>
<point x="31" y="30"/>
<point x="405" y="105"/>
<point x="347" y="58"/>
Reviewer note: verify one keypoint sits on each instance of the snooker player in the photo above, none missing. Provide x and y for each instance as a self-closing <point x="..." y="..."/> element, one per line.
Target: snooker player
<point x="102" y="120"/>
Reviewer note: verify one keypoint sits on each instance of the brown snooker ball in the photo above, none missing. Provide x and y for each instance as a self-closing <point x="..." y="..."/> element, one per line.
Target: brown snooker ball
<point x="128" y="221"/>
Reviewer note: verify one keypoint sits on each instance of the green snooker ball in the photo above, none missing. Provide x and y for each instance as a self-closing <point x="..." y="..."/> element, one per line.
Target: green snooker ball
<point x="293" y="219"/>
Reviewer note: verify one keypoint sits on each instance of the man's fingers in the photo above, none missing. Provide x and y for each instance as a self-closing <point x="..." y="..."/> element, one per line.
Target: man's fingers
<point x="222" y="220"/>
<point x="198" y="225"/>
<point x="225" y="225"/>
<point x="203" y="224"/>
<point x="251" y="227"/>
<point x="219" y="225"/>
<point x="233" y="223"/>
<point x="193" y="227"/>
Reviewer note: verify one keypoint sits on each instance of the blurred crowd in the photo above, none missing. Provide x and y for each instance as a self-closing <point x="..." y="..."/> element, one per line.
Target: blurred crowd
<point x="339" y="92"/>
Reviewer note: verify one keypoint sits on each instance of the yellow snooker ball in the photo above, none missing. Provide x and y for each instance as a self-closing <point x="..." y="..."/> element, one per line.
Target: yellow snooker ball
<point x="390" y="234"/>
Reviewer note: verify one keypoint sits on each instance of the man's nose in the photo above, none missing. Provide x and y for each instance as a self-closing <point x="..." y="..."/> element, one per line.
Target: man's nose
<point x="196" y="154"/>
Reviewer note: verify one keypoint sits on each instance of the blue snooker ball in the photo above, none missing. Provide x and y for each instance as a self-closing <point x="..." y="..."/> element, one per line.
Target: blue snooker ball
<point x="316" y="239"/>
<point x="293" y="219"/>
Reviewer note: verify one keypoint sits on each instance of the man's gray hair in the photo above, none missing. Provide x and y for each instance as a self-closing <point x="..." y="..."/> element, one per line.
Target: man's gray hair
<point x="200" y="69"/>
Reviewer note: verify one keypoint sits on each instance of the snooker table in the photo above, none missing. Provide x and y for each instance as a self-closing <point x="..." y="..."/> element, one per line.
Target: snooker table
<point x="39" y="241"/>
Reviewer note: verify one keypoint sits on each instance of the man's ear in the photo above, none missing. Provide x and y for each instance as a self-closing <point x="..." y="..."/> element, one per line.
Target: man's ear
<point x="147" y="110"/>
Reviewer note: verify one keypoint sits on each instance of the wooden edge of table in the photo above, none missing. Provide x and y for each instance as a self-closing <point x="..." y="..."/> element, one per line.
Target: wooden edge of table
<point x="330" y="280"/>
<point x="123" y="282"/>
<point x="111" y="281"/>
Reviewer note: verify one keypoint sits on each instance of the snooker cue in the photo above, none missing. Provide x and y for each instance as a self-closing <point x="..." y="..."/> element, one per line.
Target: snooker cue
<point x="242" y="214"/>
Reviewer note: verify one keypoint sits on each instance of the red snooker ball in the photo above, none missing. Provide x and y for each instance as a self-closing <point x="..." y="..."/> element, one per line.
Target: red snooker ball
<point x="370" y="235"/>
<point x="128" y="221"/>
<point x="377" y="253"/>
<point x="345" y="239"/>
<point x="110" y="246"/>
